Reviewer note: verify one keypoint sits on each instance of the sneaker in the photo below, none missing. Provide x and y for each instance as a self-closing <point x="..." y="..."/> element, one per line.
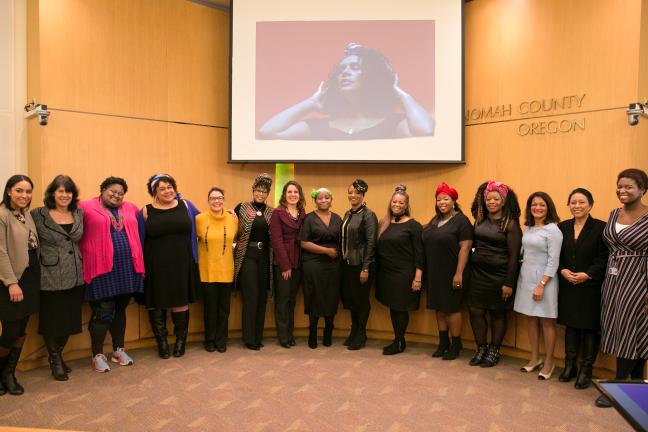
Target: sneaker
<point x="121" y="357"/>
<point x="100" y="363"/>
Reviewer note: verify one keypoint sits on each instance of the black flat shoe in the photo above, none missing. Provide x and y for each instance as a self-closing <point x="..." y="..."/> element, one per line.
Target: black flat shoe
<point x="603" y="402"/>
<point x="252" y="347"/>
<point x="221" y="348"/>
<point x="396" y="347"/>
<point x="285" y="344"/>
<point x="210" y="346"/>
<point x="292" y="342"/>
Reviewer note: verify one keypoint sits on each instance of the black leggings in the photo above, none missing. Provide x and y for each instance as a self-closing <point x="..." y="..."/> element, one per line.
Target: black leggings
<point x="13" y="333"/>
<point x="108" y="314"/>
<point x="634" y="368"/>
<point x="479" y="325"/>
<point x="314" y="319"/>
<point x="399" y="320"/>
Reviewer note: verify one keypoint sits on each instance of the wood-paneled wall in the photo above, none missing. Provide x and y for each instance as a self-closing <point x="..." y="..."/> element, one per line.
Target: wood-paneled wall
<point x="139" y="87"/>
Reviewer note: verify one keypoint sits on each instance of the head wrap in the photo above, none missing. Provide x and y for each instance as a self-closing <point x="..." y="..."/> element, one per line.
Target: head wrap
<point x="262" y="181"/>
<point x="316" y="192"/>
<point x="156" y="179"/>
<point x="360" y="185"/>
<point x="444" y="188"/>
<point x="498" y="187"/>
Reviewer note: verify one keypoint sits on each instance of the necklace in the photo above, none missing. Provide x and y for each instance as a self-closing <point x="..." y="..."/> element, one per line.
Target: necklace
<point x="116" y="222"/>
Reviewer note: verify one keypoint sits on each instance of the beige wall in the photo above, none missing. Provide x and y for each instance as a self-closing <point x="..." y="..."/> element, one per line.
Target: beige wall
<point x="138" y="87"/>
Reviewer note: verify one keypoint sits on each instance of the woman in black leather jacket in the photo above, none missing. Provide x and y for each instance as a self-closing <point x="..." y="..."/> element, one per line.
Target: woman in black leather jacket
<point x="358" y="244"/>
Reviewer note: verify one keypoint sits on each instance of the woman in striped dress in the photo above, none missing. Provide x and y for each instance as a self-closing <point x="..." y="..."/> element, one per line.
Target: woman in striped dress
<point x="624" y="305"/>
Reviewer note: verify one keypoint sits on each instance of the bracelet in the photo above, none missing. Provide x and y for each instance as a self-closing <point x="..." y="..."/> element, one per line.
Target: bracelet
<point x="417" y="281"/>
<point x="543" y="283"/>
<point x="365" y="270"/>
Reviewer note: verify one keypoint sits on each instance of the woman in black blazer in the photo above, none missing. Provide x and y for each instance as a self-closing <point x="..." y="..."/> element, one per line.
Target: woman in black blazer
<point x="583" y="258"/>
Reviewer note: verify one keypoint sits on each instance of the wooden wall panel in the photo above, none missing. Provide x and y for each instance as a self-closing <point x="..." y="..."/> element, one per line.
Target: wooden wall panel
<point x="168" y="60"/>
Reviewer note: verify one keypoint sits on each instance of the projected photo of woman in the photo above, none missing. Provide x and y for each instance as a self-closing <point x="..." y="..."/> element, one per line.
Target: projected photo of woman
<point x="360" y="100"/>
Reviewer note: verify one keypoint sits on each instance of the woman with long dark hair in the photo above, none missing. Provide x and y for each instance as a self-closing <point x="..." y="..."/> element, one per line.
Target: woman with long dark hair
<point x="537" y="286"/>
<point x="493" y="267"/>
<point x="358" y="235"/>
<point x="583" y="257"/>
<point x="19" y="274"/>
<point x="285" y="224"/>
<point x="447" y="240"/>
<point x="60" y="228"/>
<point x="399" y="263"/>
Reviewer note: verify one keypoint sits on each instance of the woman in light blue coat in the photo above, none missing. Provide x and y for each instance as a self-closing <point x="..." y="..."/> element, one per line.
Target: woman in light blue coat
<point x="537" y="287"/>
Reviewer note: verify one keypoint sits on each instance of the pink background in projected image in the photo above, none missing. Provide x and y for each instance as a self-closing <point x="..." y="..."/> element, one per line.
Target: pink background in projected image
<point x="293" y="57"/>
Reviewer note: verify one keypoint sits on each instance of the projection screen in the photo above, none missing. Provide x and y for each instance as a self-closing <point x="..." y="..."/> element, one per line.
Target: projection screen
<point x="346" y="81"/>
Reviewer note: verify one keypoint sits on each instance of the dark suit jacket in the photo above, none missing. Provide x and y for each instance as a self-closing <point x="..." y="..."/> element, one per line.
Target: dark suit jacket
<point x="580" y="305"/>
<point x="60" y="257"/>
<point x="284" y="231"/>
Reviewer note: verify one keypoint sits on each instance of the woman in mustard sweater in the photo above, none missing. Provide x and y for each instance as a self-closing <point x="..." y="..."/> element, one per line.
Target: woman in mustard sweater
<point x="216" y="230"/>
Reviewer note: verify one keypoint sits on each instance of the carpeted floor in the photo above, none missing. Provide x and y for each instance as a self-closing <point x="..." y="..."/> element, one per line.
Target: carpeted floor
<point x="327" y="389"/>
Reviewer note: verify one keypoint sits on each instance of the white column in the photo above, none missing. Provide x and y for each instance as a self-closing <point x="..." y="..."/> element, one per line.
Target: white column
<point x="13" y="88"/>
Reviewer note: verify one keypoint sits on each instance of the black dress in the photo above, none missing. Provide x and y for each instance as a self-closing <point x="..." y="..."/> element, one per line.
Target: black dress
<point x="494" y="263"/>
<point x="29" y="282"/>
<point x="398" y="254"/>
<point x="441" y="245"/>
<point x="321" y="274"/>
<point x="171" y="274"/>
<point x="579" y="306"/>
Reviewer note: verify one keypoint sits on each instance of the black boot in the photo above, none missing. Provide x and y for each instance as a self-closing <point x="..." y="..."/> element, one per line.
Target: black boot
<point x="354" y="329"/>
<point x="61" y="341"/>
<point x="590" y="349"/>
<point x="8" y="376"/>
<point x="444" y="344"/>
<point x="492" y="356"/>
<point x="312" y="337"/>
<point x="572" y="341"/>
<point x="157" y="317"/>
<point x="396" y="347"/>
<point x="479" y="356"/>
<point x="55" y="363"/>
<point x="327" y="337"/>
<point x="360" y="339"/>
<point x="3" y="363"/>
<point x="180" y="329"/>
<point x="455" y="349"/>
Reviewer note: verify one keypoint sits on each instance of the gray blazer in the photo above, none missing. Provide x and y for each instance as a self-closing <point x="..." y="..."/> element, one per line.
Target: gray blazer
<point x="60" y="257"/>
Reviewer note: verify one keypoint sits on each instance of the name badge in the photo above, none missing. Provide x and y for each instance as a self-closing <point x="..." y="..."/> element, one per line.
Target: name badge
<point x="613" y="271"/>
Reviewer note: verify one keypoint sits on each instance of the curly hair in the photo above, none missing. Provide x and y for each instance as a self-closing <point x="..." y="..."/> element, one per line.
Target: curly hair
<point x="510" y="210"/>
<point x="68" y="184"/>
<point x="302" y="201"/>
<point x="111" y="181"/>
<point x="376" y="94"/>
<point x="154" y="181"/>
<point x="552" y="214"/>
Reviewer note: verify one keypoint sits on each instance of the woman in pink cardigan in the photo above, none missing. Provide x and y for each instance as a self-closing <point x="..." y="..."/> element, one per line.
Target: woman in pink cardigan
<point x="113" y="267"/>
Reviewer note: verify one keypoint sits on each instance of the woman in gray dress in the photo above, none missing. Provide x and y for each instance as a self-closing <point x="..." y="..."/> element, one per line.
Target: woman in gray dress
<point x="537" y="287"/>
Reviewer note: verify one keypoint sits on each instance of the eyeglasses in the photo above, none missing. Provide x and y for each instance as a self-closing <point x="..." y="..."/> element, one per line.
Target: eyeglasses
<point x="116" y="193"/>
<point x="261" y="191"/>
<point x="217" y="198"/>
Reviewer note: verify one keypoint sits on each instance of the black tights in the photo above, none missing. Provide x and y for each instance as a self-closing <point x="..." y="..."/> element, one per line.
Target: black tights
<point x="399" y="320"/>
<point x="479" y="325"/>
<point x="108" y="314"/>
<point x="314" y="319"/>
<point x="13" y="335"/>
<point x="633" y="368"/>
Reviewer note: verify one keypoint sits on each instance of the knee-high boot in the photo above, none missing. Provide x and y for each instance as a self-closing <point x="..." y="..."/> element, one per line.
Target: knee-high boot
<point x="54" y="359"/>
<point x="591" y="342"/>
<point x="8" y="376"/>
<point x="180" y="329"/>
<point x="572" y="342"/>
<point x="327" y="337"/>
<point x="157" y="318"/>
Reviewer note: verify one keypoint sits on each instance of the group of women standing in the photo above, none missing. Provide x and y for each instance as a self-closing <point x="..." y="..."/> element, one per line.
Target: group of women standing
<point x="168" y="254"/>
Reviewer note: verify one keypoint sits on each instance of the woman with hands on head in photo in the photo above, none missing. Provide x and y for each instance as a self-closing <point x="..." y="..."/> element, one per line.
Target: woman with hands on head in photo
<point x="285" y="224"/>
<point x="319" y="239"/>
<point x="537" y="286"/>
<point x="494" y="263"/>
<point x="216" y="229"/>
<point x="583" y="257"/>
<point x="363" y="100"/>
<point x="253" y="260"/>
<point x="19" y="274"/>
<point x="113" y="267"/>
<point x="399" y="263"/>
<point x="60" y="227"/>
<point x="168" y="232"/>
<point x="358" y="235"/>
<point x="624" y="296"/>
<point x="447" y="240"/>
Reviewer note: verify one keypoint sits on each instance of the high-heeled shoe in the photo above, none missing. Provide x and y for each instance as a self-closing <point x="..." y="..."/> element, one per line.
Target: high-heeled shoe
<point x="531" y="368"/>
<point x="544" y="377"/>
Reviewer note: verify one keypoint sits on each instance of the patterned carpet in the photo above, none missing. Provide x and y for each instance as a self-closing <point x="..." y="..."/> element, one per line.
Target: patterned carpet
<point x="327" y="389"/>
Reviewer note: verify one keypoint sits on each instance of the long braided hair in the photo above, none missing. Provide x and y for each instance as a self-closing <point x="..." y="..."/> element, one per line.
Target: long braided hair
<point x="510" y="210"/>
